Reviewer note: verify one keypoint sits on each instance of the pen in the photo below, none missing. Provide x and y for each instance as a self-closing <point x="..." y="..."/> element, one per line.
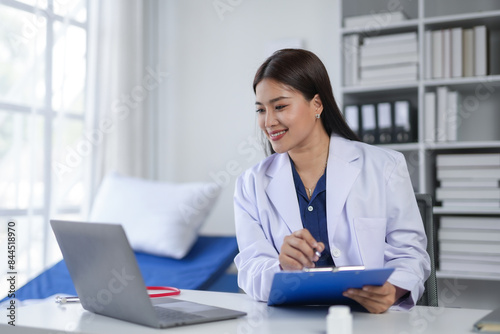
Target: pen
<point x="64" y="300"/>
<point x="317" y="252"/>
<point x="334" y="269"/>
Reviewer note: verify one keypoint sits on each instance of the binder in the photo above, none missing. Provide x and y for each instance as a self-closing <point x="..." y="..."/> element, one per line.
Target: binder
<point x="384" y="123"/>
<point x="446" y="60"/>
<point x="430" y="117"/>
<point x="428" y="54"/>
<point x="351" y="116"/>
<point x="403" y="122"/>
<point x="468" y="52"/>
<point x="437" y="54"/>
<point x="480" y="51"/>
<point x="347" y="52"/>
<point x="351" y="60"/>
<point x="456" y="52"/>
<point x="442" y="108"/>
<point x="368" y="124"/>
<point x="452" y="121"/>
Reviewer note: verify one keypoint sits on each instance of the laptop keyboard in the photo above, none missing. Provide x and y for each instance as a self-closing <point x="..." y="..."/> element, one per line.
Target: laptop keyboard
<point x="169" y="315"/>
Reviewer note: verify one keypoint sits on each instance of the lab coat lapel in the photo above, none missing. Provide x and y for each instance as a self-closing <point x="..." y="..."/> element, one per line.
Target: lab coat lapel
<point x="282" y="194"/>
<point x="341" y="175"/>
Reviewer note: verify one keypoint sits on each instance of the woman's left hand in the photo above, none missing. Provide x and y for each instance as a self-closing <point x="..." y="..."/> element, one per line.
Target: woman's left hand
<point x="376" y="299"/>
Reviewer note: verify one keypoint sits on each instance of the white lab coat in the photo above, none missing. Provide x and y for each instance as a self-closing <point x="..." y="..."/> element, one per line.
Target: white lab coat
<point x="372" y="217"/>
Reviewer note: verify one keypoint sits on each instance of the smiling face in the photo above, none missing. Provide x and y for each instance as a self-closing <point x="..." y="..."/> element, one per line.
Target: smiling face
<point x="286" y="117"/>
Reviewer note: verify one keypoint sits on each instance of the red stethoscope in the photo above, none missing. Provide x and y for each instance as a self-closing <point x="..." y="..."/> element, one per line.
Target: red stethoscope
<point x="168" y="291"/>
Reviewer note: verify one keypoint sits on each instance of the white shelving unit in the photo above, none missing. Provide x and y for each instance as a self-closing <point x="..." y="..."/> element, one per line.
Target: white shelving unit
<point x="479" y="131"/>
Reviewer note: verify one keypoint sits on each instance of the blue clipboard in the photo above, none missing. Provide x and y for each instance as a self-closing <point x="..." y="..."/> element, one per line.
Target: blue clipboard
<point x="322" y="287"/>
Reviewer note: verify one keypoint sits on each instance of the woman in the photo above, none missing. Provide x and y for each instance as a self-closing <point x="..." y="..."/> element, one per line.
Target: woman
<point x="323" y="198"/>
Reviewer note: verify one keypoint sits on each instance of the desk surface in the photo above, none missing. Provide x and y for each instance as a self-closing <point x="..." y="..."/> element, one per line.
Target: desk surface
<point x="49" y="317"/>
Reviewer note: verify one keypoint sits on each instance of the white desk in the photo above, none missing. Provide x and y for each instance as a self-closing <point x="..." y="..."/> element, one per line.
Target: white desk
<point x="49" y="317"/>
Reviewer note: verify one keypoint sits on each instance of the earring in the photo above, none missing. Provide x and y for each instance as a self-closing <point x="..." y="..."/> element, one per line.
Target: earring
<point x="318" y="116"/>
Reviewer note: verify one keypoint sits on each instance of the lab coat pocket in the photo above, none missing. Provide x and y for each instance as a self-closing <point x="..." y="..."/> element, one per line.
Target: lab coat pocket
<point x="370" y="233"/>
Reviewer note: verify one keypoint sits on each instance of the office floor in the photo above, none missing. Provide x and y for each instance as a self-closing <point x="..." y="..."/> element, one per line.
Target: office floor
<point x="467" y="293"/>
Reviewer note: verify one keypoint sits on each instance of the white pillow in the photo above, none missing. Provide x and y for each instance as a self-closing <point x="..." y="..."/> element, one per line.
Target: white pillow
<point x="159" y="218"/>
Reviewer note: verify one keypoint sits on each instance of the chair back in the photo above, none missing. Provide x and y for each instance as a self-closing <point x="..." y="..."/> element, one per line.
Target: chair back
<point x="430" y="296"/>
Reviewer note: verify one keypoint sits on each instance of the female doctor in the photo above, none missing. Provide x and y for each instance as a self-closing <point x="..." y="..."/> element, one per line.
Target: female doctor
<point x="323" y="192"/>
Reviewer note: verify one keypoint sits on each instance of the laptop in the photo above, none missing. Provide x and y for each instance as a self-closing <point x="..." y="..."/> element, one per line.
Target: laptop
<point x="104" y="270"/>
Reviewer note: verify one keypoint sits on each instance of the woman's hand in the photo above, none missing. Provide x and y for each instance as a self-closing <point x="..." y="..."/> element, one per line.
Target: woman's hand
<point x="298" y="249"/>
<point x="376" y="299"/>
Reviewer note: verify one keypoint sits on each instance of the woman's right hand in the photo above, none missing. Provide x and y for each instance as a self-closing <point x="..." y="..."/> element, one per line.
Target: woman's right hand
<point x="298" y="251"/>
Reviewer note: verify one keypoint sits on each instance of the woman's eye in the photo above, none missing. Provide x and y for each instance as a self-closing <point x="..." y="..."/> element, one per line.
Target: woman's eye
<point x="259" y="110"/>
<point x="280" y="107"/>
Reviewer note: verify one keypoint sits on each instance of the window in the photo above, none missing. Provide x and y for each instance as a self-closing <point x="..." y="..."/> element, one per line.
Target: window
<point x="42" y="115"/>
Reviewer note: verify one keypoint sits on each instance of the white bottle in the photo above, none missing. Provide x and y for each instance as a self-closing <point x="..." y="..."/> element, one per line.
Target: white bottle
<point x="339" y="320"/>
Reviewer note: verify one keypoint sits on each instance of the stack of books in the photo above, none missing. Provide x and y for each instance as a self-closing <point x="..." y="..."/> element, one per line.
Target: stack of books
<point x="389" y="58"/>
<point x="469" y="245"/>
<point x="468" y="180"/>
<point x="380" y="60"/>
<point x="456" y="52"/>
<point x="442" y="115"/>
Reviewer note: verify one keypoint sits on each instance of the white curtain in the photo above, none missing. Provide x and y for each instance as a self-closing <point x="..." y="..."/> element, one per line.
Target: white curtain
<point x="124" y="84"/>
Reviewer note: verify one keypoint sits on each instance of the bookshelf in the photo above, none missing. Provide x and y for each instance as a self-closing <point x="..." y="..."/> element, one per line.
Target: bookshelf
<point x="478" y="130"/>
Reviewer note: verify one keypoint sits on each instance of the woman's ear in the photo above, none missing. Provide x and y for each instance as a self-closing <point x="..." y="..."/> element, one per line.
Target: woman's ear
<point x="318" y="105"/>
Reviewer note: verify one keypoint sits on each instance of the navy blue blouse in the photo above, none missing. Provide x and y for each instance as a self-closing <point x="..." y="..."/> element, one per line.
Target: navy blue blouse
<point x="313" y="214"/>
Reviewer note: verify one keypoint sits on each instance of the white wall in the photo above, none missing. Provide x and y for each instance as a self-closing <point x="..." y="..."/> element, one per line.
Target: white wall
<point x="212" y="57"/>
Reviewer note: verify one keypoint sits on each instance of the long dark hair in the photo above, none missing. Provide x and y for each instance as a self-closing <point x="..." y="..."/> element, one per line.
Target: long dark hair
<point x="303" y="71"/>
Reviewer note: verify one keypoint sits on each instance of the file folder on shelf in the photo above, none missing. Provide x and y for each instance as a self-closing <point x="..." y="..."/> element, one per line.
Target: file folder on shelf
<point x="368" y="124"/>
<point x="403" y="122"/>
<point x="351" y="115"/>
<point x="384" y="122"/>
<point x="430" y="117"/>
